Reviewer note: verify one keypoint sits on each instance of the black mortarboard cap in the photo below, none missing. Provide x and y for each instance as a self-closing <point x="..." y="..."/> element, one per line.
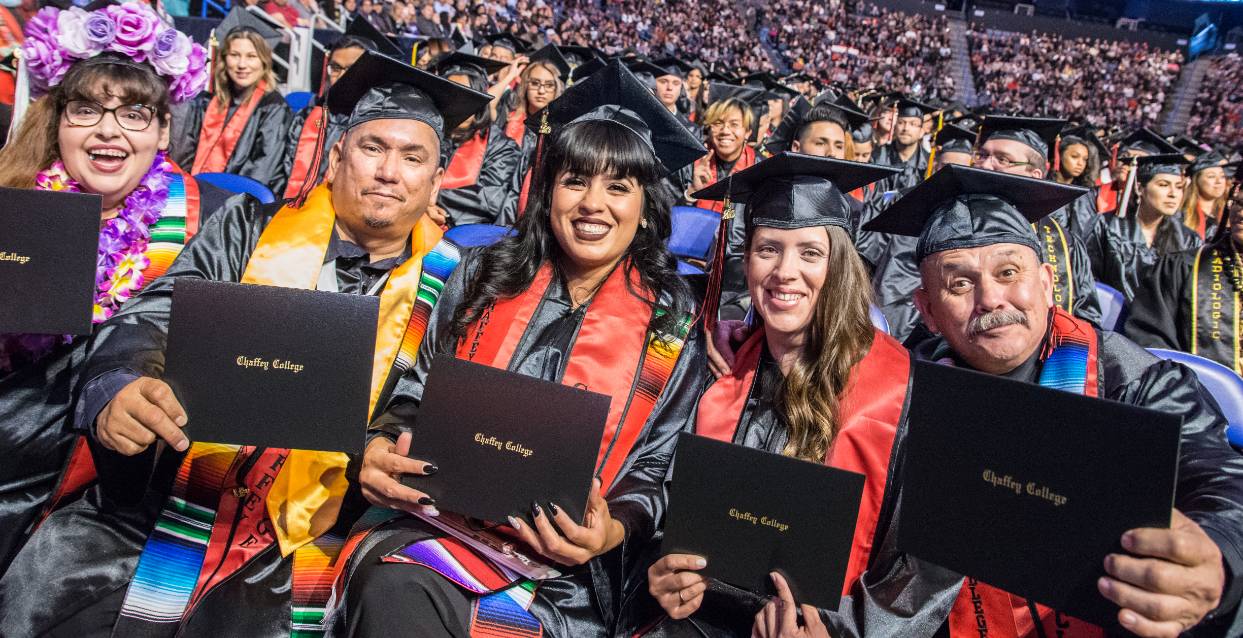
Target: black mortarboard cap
<point x="795" y="78"/>
<point x="1149" y="166"/>
<point x="360" y="27"/>
<point x="587" y="68"/>
<point x="1206" y="161"/>
<point x="578" y="54"/>
<point x="239" y="19"/>
<point x="1189" y="145"/>
<point x="549" y="53"/>
<point x="912" y="108"/>
<point x="645" y="69"/>
<point x="844" y="105"/>
<point x="447" y="64"/>
<point x="1147" y="140"/>
<point x="675" y="66"/>
<point x="963" y="207"/>
<point x="614" y="94"/>
<point x="955" y="139"/>
<point x="720" y="76"/>
<point x="508" y="41"/>
<point x="771" y="84"/>
<point x="793" y="190"/>
<point x="753" y="96"/>
<point x="1038" y="133"/>
<point x="378" y="87"/>
<point x="1087" y="134"/>
<point x="783" y="135"/>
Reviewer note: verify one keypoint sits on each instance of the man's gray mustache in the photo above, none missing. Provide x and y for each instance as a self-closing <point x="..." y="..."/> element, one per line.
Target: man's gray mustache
<point x="995" y="319"/>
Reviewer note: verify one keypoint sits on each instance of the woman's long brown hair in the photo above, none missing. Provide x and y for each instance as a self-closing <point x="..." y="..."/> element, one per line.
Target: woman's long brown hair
<point x="220" y="71"/>
<point x="838" y="337"/>
<point x="1191" y="206"/>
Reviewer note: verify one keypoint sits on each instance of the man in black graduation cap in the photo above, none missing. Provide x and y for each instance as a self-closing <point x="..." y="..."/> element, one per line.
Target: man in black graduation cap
<point x="906" y="151"/>
<point x="989" y="298"/>
<point x="364" y="231"/>
<point x="671" y="90"/>
<point x="503" y="47"/>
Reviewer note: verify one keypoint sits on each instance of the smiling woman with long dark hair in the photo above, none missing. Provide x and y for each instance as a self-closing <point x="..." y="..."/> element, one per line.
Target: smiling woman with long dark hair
<point x="585" y="294"/>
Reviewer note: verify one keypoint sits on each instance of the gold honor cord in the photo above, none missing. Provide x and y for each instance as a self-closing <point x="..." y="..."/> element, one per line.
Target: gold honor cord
<point x="932" y="153"/>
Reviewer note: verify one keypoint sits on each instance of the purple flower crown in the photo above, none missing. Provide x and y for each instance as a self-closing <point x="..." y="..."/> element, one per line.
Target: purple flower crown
<point x="56" y="39"/>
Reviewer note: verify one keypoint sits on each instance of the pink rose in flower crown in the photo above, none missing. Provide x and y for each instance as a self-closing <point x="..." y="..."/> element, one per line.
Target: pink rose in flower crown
<point x="194" y="80"/>
<point x="136" y="27"/>
<point x="170" y="53"/>
<point x="74" y="39"/>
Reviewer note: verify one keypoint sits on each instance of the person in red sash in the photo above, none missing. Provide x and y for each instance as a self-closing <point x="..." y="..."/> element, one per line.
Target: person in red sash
<point x="241" y="127"/>
<point x="194" y="538"/>
<point x="1207" y="186"/>
<point x="541" y="82"/>
<point x="814" y="380"/>
<point x="482" y="173"/>
<point x="585" y="294"/>
<point x="989" y="299"/>
<point x="103" y="128"/>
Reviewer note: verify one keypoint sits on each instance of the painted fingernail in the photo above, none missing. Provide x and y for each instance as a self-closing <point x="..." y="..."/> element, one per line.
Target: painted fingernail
<point x="429" y="469"/>
<point x="427" y="501"/>
<point x="555" y="510"/>
<point x="514" y="522"/>
<point x="536" y="508"/>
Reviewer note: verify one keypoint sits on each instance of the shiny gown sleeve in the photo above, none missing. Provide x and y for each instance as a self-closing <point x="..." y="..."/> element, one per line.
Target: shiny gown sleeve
<point x="493" y="198"/>
<point x="187" y="120"/>
<point x="1085" y="306"/>
<point x="1159" y="315"/>
<point x="260" y="153"/>
<point x="292" y="135"/>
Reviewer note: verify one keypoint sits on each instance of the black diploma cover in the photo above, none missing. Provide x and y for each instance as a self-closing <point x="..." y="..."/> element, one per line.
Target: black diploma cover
<point x="48" y="245"/>
<point x="1028" y="488"/>
<point x="751" y="512"/>
<point x="502" y="441"/>
<point x="271" y="366"/>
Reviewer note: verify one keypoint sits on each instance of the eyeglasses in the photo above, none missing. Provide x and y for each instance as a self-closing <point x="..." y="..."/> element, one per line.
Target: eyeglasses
<point x="550" y="85"/>
<point x="131" y="117"/>
<point x="337" y="69"/>
<point x="1001" y="161"/>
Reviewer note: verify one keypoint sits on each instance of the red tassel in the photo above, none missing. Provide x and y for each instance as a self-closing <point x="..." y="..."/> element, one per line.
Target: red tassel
<point x="1113" y="159"/>
<point x="310" y="182"/>
<point x="1057" y="154"/>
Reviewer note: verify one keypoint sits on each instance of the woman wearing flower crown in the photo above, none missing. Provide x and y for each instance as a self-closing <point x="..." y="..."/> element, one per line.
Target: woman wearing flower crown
<point x="110" y="77"/>
<point x="241" y="127"/>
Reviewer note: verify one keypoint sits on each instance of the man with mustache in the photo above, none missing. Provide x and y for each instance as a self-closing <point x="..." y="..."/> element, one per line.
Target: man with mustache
<point x="989" y="298"/>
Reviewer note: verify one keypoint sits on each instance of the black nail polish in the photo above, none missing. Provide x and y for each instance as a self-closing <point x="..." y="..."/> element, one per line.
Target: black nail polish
<point x="555" y="510"/>
<point x="429" y="469"/>
<point x="536" y="508"/>
<point x="427" y="500"/>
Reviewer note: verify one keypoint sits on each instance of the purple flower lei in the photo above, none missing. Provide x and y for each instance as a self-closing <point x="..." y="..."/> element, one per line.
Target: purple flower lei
<point x="119" y="261"/>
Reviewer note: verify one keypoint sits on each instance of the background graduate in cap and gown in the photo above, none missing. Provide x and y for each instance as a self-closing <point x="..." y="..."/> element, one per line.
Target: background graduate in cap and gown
<point x="1137" y="144"/>
<point x="228" y="566"/>
<point x="989" y="299"/>
<point x="906" y="151"/>
<point x="482" y="165"/>
<point x="149" y="211"/>
<point x="585" y="293"/>
<point x="239" y="127"/>
<point x="542" y="81"/>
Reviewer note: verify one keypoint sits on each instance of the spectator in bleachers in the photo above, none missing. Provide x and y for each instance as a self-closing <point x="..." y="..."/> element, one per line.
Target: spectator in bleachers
<point x="1217" y="114"/>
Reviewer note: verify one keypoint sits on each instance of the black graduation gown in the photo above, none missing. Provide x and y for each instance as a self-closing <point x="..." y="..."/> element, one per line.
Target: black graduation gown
<point x="1161" y="314"/>
<point x="493" y="198"/>
<point x="913" y="169"/>
<point x="95" y="542"/>
<point x="1209" y="489"/>
<point x="260" y="150"/>
<point x="895" y="275"/>
<point x="1119" y="252"/>
<point x="584" y="601"/>
<point x="37" y="434"/>
<point x="1079" y="217"/>
<point x="729" y="611"/>
<point x="333" y="132"/>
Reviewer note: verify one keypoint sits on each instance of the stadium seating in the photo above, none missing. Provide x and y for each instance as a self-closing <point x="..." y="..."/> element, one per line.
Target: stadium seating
<point x="1113" y="307"/>
<point x="472" y="235"/>
<point x="299" y="100"/>
<point x="1221" y="382"/>
<point x="239" y="184"/>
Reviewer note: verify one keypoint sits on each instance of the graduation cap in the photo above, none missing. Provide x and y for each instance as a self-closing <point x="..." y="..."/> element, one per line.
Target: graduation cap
<point x="1150" y="166"/>
<point x="239" y="19"/>
<point x="1148" y="141"/>
<point x="796" y="78"/>
<point x="854" y="116"/>
<point x="614" y="94"/>
<point x="675" y="66"/>
<point x="359" y="27"/>
<point x="579" y="54"/>
<point x="1088" y="135"/>
<point x="584" y="70"/>
<point x="457" y="61"/>
<point x="549" y="53"/>
<point x="645" y="69"/>
<point x="771" y="84"/>
<point x="720" y="76"/>
<point x="378" y="87"/>
<point x="793" y="190"/>
<point x="1189" y="145"/>
<point x="908" y="107"/>
<point x="783" y="135"/>
<point x="753" y="96"/>
<point x="955" y="139"/>
<point x="963" y="207"/>
<point x="1038" y="133"/>
<point x="1205" y="161"/>
<point x="508" y="41"/>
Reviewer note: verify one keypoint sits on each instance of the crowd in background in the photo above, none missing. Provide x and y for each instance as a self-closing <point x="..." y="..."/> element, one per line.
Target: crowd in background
<point x="1217" y="114"/>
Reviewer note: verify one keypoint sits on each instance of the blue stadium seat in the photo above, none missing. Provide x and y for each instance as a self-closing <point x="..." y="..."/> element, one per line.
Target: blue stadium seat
<point x="238" y="184"/>
<point x="878" y="319"/>
<point x="299" y="100"/>
<point x="693" y="230"/>
<point x="685" y="268"/>
<point x="1221" y="382"/>
<point x="1113" y="307"/>
<point x="471" y="235"/>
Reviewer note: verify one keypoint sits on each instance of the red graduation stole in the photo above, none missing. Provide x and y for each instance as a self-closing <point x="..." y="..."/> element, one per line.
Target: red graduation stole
<point x="605" y="358"/>
<point x="218" y="139"/>
<point x="870" y="410"/>
<point x="467" y="160"/>
<point x="746" y="160"/>
<point x="1106" y="198"/>
<point x="516" y="126"/>
<point x="304" y="155"/>
<point x="985" y="611"/>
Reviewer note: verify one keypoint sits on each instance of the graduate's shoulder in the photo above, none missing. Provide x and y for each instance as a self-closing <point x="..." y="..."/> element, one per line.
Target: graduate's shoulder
<point x="222" y="208"/>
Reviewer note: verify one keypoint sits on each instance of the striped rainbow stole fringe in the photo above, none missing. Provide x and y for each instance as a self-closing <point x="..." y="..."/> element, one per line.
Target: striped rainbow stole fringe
<point x="1071" y="363"/>
<point x="168" y="234"/>
<point x="168" y="570"/>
